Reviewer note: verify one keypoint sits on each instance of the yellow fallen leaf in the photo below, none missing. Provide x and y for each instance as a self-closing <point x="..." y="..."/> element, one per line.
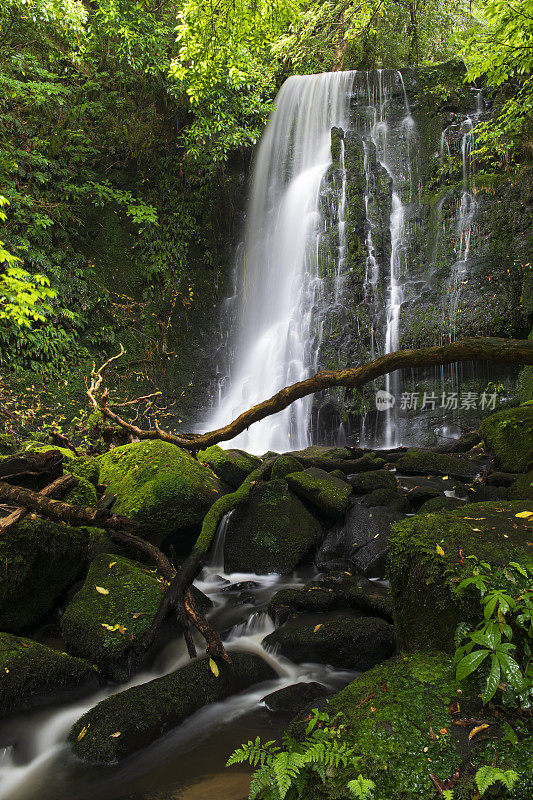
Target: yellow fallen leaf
<point x="82" y="733"/>
<point x="524" y="514"/>
<point x="110" y="627"/>
<point x="112" y="564"/>
<point x="101" y="590"/>
<point x="477" y="729"/>
<point x="476" y="529"/>
<point x="440" y="551"/>
<point x="317" y="627"/>
<point x="214" y="668"/>
<point x="116" y="734"/>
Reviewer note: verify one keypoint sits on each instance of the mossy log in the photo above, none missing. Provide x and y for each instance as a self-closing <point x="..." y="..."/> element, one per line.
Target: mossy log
<point x="498" y="351"/>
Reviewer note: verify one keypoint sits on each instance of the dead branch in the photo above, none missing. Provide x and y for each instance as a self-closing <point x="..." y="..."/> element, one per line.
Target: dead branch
<point x="499" y="351"/>
<point x="57" y="488"/>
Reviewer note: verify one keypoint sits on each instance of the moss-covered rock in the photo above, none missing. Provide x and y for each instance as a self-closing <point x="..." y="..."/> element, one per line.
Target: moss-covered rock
<point x="83" y="494"/>
<point x="424" y="462"/>
<point x="85" y="467"/>
<point x="422" y="579"/>
<point x="161" y="486"/>
<point x="33" y="675"/>
<point x="107" y="619"/>
<point x="387" y="498"/>
<point x="329" y="494"/>
<point x="440" y="504"/>
<point x="522" y="488"/>
<point x="366" y="482"/>
<point x="285" y="465"/>
<point x="126" y="722"/>
<point x="343" y="591"/>
<point x="232" y="466"/>
<point x="509" y="435"/>
<point x="347" y="643"/>
<point x="408" y="719"/>
<point x="271" y="532"/>
<point x="39" y="560"/>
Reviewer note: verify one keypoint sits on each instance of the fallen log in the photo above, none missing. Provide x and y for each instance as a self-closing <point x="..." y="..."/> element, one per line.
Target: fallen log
<point x="498" y="351"/>
<point x="45" y="466"/>
<point x="57" y="488"/>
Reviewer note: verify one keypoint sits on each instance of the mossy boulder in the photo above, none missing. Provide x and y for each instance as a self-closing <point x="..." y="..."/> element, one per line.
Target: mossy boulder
<point x="329" y="494"/>
<point x="83" y="494"/>
<point x="232" y="466"/>
<point x="285" y="465"/>
<point x="40" y="559"/>
<point x="126" y="722"/>
<point x="424" y="462"/>
<point x="387" y="498"/>
<point x="160" y="486"/>
<point x="323" y="451"/>
<point x="271" y="532"/>
<point x="409" y="719"/>
<point x="107" y="619"/>
<point x="85" y="467"/>
<point x="33" y="675"/>
<point x="328" y="594"/>
<point x="440" y="504"/>
<point x="522" y="488"/>
<point x="348" y="643"/>
<point x="423" y="580"/>
<point x="509" y="435"/>
<point x="366" y="482"/>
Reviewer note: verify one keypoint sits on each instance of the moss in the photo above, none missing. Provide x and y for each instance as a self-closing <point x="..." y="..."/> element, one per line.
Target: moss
<point x="389" y="498"/>
<point x="84" y="494"/>
<point x="271" y="531"/>
<point x="522" y="489"/>
<point x="348" y="642"/>
<point x="423" y="462"/>
<point x="132" y="598"/>
<point x="159" y="485"/>
<point x="144" y="713"/>
<point x="285" y="465"/>
<point x="33" y="675"/>
<point x="509" y="435"/>
<point x="440" y="504"/>
<point x="85" y="467"/>
<point x="422" y="580"/>
<point x="327" y="493"/>
<point x="364" y="482"/>
<point x="400" y="717"/>
<point x="8" y="444"/>
<point x="233" y="466"/>
<point x="39" y="559"/>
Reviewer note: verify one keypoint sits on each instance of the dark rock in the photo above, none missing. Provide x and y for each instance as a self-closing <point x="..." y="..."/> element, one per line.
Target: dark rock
<point x="484" y="494"/>
<point x="502" y="478"/>
<point x="388" y="498"/>
<point x="33" y="675"/>
<point x="360" y="544"/>
<point x="291" y="699"/>
<point x="366" y="482"/>
<point x="126" y="722"/>
<point x="329" y="494"/>
<point x="271" y="532"/>
<point x="522" y="488"/>
<point x="424" y="462"/>
<point x="340" y="591"/>
<point x="346" y="643"/>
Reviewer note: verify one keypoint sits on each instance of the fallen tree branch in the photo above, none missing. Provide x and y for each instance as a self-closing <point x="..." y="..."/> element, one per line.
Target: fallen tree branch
<point x="498" y="351"/>
<point x="32" y="465"/>
<point x="57" y="487"/>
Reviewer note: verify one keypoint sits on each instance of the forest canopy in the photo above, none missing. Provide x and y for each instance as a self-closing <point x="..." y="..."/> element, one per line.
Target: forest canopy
<point x="139" y="110"/>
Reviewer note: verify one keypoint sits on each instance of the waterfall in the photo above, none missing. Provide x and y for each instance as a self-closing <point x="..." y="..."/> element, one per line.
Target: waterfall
<point x="278" y="274"/>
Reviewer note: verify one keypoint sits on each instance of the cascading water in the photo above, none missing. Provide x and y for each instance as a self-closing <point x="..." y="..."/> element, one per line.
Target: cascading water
<point x="279" y="268"/>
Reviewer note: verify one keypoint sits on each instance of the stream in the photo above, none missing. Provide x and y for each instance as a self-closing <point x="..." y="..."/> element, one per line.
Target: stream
<point x="188" y="763"/>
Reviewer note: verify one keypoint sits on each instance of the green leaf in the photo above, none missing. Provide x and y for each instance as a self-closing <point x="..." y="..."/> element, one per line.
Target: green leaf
<point x="470" y="663"/>
<point x="493" y="679"/>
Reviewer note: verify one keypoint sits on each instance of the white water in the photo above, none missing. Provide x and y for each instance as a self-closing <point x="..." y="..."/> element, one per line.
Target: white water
<point x="279" y="269"/>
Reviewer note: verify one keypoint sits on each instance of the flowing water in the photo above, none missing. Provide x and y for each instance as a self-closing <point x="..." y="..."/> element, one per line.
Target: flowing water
<point x="291" y="311"/>
<point x="188" y="763"/>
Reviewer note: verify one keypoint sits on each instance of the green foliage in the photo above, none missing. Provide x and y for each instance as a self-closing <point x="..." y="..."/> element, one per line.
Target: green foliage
<point x="507" y="629"/>
<point x="284" y="772"/>
<point x="487" y="776"/>
<point x="500" y="50"/>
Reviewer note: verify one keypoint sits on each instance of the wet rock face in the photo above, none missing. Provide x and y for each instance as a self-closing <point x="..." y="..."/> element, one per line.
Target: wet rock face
<point x="347" y="643"/>
<point x="359" y="543"/>
<point x="126" y="722"/>
<point x="34" y="675"/>
<point x="271" y="532"/>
